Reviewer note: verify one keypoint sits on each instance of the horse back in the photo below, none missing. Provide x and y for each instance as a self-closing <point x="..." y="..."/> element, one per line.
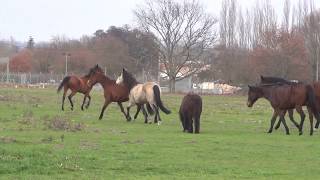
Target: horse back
<point x="191" y="105"/>
<point x="288" y="96"/>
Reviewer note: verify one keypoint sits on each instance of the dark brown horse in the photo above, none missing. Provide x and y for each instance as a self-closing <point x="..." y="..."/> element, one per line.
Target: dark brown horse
<point x="75" y="84"/>
<point x="267" y="80"/>
<point x="275" y="80"/>
<point x="190" y="112"/>
<point x="112" y="91"/>
<point x="284" y="97"/>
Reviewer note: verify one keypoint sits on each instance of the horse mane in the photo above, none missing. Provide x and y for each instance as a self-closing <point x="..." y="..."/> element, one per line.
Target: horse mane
<point x="269" y="80"/>
<point x="128" y="79"/>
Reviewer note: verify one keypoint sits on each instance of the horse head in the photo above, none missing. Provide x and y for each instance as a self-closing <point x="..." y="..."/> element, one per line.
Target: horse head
<point x="254" y="94"/>
<point x="93" y="75"/>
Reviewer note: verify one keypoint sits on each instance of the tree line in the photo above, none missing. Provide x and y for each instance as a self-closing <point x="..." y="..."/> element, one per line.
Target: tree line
<point x="181" y="39"/>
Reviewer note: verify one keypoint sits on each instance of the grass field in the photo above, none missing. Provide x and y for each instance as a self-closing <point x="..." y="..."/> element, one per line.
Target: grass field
<point x="233" y="142"/>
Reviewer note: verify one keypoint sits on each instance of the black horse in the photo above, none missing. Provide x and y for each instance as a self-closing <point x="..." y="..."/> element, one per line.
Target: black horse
<point x="190" y="112"/>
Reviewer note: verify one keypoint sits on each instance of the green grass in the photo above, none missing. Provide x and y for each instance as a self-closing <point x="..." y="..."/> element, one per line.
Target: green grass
<point x="233" y="142"/>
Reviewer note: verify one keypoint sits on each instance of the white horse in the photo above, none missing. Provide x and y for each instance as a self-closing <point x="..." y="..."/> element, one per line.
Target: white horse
<point x="147" y="93"/>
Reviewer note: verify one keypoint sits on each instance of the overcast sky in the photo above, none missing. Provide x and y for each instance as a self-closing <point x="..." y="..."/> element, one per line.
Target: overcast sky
<point x="44" y="18"/>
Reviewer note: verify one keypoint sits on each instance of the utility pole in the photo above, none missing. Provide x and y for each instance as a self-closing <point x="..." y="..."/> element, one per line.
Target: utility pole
<point x="66" y="56"/>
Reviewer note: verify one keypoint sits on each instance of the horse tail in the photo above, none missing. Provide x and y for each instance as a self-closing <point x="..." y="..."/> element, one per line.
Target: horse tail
<point x="149" y="109"/>
<point x="65" y="80"/>
<point x="159" y="103"/>
<point x="311" y="101"/>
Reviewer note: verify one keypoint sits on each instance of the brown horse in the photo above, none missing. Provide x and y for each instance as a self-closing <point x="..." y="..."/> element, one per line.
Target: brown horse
<point x="265" y="80"/>
<point x="112" y="92"/>
<point x="75" y="84"/>
<point x="275" y="80"/>
<point x="190" y="112"/>
<point x="284" y="97"/>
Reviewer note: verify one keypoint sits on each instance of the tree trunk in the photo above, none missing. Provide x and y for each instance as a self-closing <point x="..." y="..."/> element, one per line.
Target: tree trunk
<point x="172" y="85"/>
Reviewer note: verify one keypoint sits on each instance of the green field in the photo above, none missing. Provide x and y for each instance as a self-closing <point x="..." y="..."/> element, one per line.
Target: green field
<point x="39" y="141"/>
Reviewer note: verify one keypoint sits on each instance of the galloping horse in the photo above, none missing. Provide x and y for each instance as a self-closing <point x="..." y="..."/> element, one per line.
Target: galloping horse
<point x="112" y="91"/>
<point x="283" y="97"/>
<point x="75" y="84"/>
<point x="147" y="93"/>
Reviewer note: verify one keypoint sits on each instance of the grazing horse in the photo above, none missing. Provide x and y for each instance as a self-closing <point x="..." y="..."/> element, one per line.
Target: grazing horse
<point x="283" y="97"/>
<point x="147" y="93"/>
<point x="190" y="111"/>
<point x="75" y="84"/>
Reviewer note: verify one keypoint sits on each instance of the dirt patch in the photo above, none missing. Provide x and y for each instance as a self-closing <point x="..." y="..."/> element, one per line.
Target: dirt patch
<point x="59" y="123"/>
<point x="27" y="118"/>
<point x="139" y="141"/>
<point x="8" y="139"/>
<point x="86" y="145"/>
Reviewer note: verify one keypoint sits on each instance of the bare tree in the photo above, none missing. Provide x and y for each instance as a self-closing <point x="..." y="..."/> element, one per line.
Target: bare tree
<point x="286" y="16"/>
<point x="311" y="30"/>
<point x="183" y="30"/>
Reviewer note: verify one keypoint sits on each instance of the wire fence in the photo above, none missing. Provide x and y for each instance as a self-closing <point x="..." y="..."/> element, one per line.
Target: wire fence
<point x="43" y="80"/>
<point x="29" y="78"/>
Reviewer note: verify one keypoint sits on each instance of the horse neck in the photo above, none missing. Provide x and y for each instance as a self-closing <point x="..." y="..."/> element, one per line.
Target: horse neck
<point x="85" y="78"/>
<point x="103" y="79"/>
<point x="266" y="92"/>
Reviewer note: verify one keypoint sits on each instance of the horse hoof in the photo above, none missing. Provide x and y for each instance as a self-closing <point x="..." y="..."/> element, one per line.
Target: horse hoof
<point x="300" y="133"/>
<point x="287" y="133"/>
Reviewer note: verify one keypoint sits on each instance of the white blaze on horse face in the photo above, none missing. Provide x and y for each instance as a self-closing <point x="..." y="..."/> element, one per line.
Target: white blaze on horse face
<point x="119" y="79"/>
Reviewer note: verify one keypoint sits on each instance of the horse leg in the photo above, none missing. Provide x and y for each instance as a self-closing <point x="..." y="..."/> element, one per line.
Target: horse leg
<point x="63" y="98"/>
<point x="290" y="112"/>
<point x="106" y="103"/>
<point x="157" y="115"/>
<point x="182" y="121"/>
<point x="302" y="116"/>
<point x="88" y="104"/>
<point x="70" y="99"/>
<point x="122" y="110"/>
<point x="282" y="114"/>
<point x="302" y="121"/>
<point x="190" y="124"/>
<point x="197" y="124"/>
<point x="84" y="100"/>
<point x="278" y="124"/>
<point x="273" y="119"/>
<point x="138" y="110"/>
<point x="145" y="114"/>
<point x="311" y="120"/>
